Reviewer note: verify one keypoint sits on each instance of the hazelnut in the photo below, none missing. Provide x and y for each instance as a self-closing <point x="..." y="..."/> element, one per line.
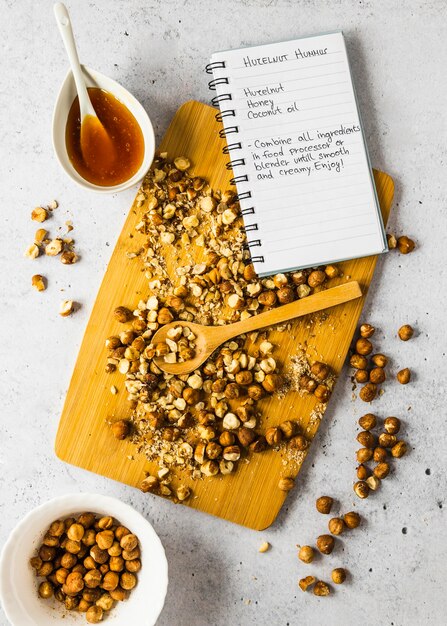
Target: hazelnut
<point x="273" y="436"/>
<point x="258" y="445"/>
<point x="191" y="396"/>
<point x="299" y="278"/>
<point x="364" y="455"/>
<point x="74" y="583"/>
<point x="392" y="425"/>
<point x="363" y="346"/>
<point x="38" y="282"/>
<point x="133" y="566"/>
<point x="47" y="553"/>
<point x="119" y="594"/>
<point x="366" y="439"/>
<point x="232" y="453"/>
<point x="267" y="298"/>
<point x="106" y="522"/>
<point x="373" y="482"/>
<point x="149" y="484"/>
<point x="92" y="578"/>
<point x="36" y="562"/>
<point x="358" y="361"/>
<point x="130" y="555"/>
<point x="213" y="450"/>
<point x="245" y="436"/>
<point x="116" y="563"/>
<point x="98" y="555"/>
<point x="249" y="272"/>
<point x="120" y="532"/>
<point x="105" y="602"/>
<point x="399" y="449"/>
<point x="68" y="560"/>
<point x="121" y="429"/>
<point x="307" y="383"/>
<point x="45" y="590"/>
<point x="298" y="442"/>
<point x="286" y="484"/>
<point x="255" y="392"/>
<point x="322" y="393"/>
<point x="122" y="314"/>
<point x="316" y="278"/>
<point x="379" y="454"/>
<point x="362" y="472"/>
<point x="381" y="470"/>
<point x="94" y="614"/>
<point x="128" y="581"/>
<point x="244" y="377"/>
<point x="367" y="331"/>
<point x="111" y="581"/>
<point x="361" y="488"/>
<point x="306" y="554"/>
<point x="405" y="245"/>
<point x="320" y="371"/>
<point x="361" y="376"/>
<point x="272" y="382"/>
<point x="57" y="528"/>
<point x="68" y="257"/>
<point x="338" y="575"/>
<point x="83" y="605"/>
<point x="306" y="582"/>
<point x="380" y="360"/>
<point x="129" y="542"/>
<point x="227" y="438"/>
<point x="288" y="428"/>
<point x="368" y="421"/>
<point x="368" y="392"/>
<point x="71" y="603"/>
<point x="325" y="543"/>
<point x="377" y="375"/>
<point x="105" y="538"/>
<point x="405" y="332"/>
<point x="321" y="588"/>
<point x="351" y="519"/>
<point x="324" y="504"/>
<point x="336" y="526"/>
<point x="404" y="376"/>
<point x="285" y="295"/>
<point x="331" y="271"/>
<point x="386" y="440"/>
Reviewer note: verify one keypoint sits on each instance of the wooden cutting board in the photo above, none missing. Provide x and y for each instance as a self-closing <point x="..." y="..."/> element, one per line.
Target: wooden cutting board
<point x="251" y="496"/>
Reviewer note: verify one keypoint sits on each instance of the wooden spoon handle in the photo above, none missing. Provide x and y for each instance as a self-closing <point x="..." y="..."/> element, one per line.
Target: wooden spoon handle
<point x="311" y="304"/>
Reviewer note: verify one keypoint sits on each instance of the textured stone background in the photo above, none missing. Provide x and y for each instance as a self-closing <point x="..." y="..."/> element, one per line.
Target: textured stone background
<point x="158" y="50"/>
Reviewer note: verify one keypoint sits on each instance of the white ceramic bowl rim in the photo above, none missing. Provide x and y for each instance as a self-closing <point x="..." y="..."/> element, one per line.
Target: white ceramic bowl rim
<point x="64" y="100"/>
<point x="29" y="531"/>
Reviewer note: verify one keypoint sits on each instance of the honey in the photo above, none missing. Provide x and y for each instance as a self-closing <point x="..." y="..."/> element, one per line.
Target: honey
<point x="107" y="155"/>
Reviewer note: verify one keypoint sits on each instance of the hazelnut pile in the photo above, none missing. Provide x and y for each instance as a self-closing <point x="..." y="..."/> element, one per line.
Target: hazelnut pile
<point x="376" y="449"/>
<point x="88" y="563"/>
<point x="63" y="247"/>
<point x="325" y="544"/>
<point x="207" y="420"/>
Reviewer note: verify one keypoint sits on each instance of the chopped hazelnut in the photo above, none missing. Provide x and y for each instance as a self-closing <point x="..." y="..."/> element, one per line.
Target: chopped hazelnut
<point x="68" y="257"/>
<point x="66" y="308"/>
<point x="306" y="582"/>
<point x="32" y="251"/>
<point x="39" y="214"/>
<point x="321" y="588"/>
<point x="38" y="282"/>
<point x="392" y="241"/>
<point x="54" y="247"/>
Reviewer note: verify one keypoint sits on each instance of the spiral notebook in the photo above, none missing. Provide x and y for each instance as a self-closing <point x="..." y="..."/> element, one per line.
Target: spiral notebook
<point x="298" y="153"/>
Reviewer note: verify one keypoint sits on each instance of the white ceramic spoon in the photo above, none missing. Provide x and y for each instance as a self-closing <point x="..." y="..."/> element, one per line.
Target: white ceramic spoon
<point x="92" y="130"/>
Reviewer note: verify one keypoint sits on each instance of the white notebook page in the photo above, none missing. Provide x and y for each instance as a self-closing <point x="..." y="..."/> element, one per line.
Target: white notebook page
<point x="305" y="158"/>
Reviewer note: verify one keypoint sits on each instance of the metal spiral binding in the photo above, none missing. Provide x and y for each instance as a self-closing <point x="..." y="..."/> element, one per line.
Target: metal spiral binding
<point x="223" y="134"/>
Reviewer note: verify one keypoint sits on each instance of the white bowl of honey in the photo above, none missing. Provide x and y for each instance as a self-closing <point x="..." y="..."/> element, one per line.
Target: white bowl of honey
<point x="126" y="122"/>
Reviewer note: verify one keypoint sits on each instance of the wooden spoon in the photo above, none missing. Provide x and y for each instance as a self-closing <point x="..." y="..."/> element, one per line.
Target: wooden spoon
<point x="208" y="338"/>
<point x="95" y="139"/>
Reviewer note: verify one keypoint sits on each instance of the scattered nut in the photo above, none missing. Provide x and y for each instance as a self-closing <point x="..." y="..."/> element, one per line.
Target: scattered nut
<point x="306" y="554"/>
<point x="399" y="449"/>
<point x="39" y="214"/>
<point x="321" y="588"/>
<point x="405" y="245"/>
<point x="336" y="526"/>
<point x="286" y="484"/>
<point x="338" y="575"/>
<point x="404" y="376"/>
<point x="405" y="332"/>
<point x="121" y="429"/>
<point x="66" y="308"/>
<point x="351" y="519"/>
<point x="368" y="392"/>
<point x="264" y="547"/>
<point x="392" y="425"/>
<point x="32" y="251"/>
<point x="306" y="582"/>
<point x="325" y="544"/>
<point x="38" y="282"/>
<point x="361" y="488"/>
<point x="368" y="421"/>
<point x="324" y="504"/>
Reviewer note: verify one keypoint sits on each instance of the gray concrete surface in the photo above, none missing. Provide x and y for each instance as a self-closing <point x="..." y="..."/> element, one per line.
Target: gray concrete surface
<point x="158" y="49"/>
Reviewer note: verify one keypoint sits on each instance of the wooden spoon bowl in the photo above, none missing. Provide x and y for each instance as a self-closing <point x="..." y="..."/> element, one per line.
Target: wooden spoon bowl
<point x="208" y="338"/>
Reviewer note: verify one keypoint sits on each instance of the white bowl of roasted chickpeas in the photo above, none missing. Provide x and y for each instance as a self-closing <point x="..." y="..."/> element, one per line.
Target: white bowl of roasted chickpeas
<point x="83" y="559"/>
